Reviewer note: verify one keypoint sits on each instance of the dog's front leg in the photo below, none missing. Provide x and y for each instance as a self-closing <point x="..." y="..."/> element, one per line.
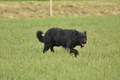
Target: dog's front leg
<point x="70" y="47"/>
<point x="74" y="51"/>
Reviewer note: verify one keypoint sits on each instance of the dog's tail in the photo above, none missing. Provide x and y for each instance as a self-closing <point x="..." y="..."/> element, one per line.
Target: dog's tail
<point x="39" y="36"/>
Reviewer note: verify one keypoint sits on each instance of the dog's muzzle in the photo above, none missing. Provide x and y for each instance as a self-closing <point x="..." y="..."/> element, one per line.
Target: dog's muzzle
<point x="83" y="44"/>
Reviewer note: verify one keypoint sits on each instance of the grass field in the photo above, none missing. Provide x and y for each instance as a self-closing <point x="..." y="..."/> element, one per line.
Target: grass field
<point x="21" y="56"/>
<point x="64" y="0"/>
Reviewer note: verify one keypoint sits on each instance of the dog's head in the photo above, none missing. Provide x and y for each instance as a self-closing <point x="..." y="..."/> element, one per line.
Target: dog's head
<point x="81" y="38"/>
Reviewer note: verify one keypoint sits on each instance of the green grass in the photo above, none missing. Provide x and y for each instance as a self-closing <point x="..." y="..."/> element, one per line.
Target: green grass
<point x="66" y="0"/>
<point x="21" y="56"/>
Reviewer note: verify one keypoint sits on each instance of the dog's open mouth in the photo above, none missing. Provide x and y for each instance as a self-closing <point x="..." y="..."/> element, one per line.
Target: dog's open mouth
<point x="83" y="45"/>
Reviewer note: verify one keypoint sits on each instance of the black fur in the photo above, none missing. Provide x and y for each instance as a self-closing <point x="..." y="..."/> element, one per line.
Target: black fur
<point x="39" y="36"/>
<point x="67" y="38"/>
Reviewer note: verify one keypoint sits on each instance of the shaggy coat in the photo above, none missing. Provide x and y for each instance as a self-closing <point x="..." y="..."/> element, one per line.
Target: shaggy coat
<point x="67" y="38"/>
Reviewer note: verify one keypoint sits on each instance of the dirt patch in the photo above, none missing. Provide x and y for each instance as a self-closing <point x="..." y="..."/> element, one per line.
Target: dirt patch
<point x="26" y="10"/>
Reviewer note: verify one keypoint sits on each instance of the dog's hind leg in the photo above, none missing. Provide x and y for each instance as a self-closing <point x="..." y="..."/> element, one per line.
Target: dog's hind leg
<point x="46" y="47"/>
<point x="52" y="50"/>
<point x="74" y="51"/>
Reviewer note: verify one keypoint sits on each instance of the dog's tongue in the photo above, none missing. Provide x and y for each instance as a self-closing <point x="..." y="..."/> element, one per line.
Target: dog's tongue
<point x="83" y="44"/>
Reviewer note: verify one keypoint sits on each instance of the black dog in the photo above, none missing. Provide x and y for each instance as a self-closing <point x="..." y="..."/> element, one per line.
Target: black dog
<point x="67" y="38"/>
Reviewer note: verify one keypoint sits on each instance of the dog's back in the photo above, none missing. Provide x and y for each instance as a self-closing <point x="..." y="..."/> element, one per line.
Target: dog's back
<point x="58" y="36"/>
<point x="54" y="36"/>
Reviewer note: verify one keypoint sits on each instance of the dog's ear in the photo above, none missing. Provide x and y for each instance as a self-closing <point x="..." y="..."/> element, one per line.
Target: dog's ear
<point x="85" y="32"/>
